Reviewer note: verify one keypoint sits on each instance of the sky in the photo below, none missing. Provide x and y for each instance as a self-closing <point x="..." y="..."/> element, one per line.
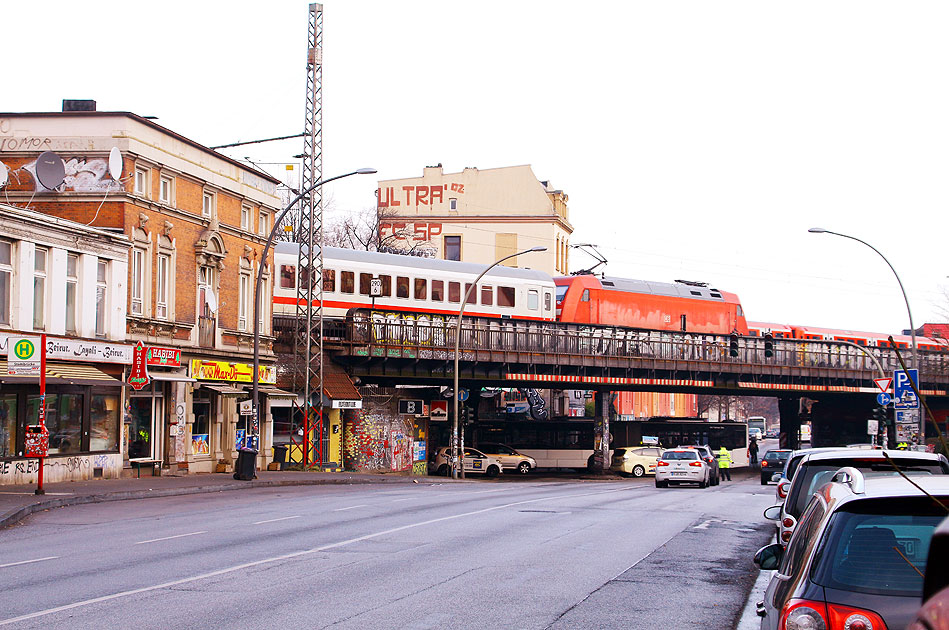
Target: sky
<point x="695" y="139"/>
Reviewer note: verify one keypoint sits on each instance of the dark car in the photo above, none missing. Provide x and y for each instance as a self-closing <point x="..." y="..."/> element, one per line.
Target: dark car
<point x="857" y="557"/>
<point x="772" y="463"/>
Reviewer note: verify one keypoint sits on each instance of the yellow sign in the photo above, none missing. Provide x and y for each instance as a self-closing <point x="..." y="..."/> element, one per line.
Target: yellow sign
<point x="233" y="372"/>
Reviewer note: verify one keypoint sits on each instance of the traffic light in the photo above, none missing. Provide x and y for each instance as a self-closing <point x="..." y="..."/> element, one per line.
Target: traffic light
<point x="465" y="414"/>
<point x="879" y="414"/>
<point x="733" y="345"/>
<point x="768" y="345"/>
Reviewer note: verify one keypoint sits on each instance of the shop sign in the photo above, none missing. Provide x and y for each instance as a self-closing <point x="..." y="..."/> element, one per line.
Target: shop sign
<point x="78" y="350"/>
<point x="138" y="378"/>
<point x="438" y="410"/>
<point x="347" y="404"/>
<point x="235" y="372"/>
<point x="168" y="357"/>
<point x="24" y="356"/>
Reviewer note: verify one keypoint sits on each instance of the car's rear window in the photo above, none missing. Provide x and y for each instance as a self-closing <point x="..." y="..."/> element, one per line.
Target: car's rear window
<point x="680" y="455"/>
<point x="878" y="546"/>
<point x="771" y="456"/>
<point x="814" y="474"/>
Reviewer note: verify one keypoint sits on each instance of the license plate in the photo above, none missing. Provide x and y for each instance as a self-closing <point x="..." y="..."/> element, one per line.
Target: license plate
<point x="679" y="474"/>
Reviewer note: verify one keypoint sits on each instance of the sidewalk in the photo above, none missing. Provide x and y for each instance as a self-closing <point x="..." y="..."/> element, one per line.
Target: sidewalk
<point x="19" y="501"/>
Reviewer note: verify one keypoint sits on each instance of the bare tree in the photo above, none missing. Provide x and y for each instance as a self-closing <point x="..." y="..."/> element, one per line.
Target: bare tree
<point x="361" y="230"/>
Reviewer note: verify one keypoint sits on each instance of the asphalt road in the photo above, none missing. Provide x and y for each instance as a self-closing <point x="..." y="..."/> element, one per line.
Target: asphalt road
<point x="491" y="554"/>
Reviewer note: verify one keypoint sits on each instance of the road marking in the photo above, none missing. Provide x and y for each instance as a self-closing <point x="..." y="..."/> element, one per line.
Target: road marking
<point x="49" y="494"/>
<point x="143" y="542"/>
<point x="287" y="556"/>
<point x="397" y="500"/>
<point x="351" y="507"/>
<point x="703" y="525"/>
<point x="274" y="520"/>
<point x="14" y="564"/>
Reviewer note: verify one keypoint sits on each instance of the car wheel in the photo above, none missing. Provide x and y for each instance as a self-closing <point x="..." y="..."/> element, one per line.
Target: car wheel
<point x="442" y="470"/>
<point x="662" y="484"/>
<point x="638" y="471"/>
<point x="492" y="471"/>
<point x="523" y="468"/>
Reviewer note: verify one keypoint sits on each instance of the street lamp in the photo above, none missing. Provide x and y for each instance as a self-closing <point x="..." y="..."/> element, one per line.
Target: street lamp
<point x="260" y="272"/>
<point x="456" y="450"/>
<point x="912" y="328"/>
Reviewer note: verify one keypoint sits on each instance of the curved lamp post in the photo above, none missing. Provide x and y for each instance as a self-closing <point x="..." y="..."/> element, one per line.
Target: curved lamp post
<point x="912" y="328"/>
<point x="458" y="450"/>
<point x="260" y="272"/>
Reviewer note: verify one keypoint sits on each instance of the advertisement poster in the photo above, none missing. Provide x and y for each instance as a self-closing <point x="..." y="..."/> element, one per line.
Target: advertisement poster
<point x="239" y="442"/>
<point x="200" y="444"/>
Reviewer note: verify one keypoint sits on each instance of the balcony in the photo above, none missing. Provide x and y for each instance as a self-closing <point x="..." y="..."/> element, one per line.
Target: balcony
<point x="207" y="326"/>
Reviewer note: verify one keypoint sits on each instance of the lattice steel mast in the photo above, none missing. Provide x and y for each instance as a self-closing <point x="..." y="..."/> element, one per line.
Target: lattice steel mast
<point x="309" y="323"/>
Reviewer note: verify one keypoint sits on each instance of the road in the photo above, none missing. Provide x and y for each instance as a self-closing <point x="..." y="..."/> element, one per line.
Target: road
<point x="529" y="553"/>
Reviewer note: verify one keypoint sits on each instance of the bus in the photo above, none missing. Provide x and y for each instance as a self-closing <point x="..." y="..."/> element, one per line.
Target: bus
<point x="757" y="425"/>
<point x="569" y="443"/>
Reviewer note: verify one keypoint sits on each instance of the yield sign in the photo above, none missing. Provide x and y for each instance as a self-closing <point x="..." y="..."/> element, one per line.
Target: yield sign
<point x="883" y="383"/>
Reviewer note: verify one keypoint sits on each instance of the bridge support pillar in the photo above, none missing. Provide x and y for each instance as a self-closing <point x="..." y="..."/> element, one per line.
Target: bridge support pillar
<point x="601" y="433"/>
<point x="789" y="409"/>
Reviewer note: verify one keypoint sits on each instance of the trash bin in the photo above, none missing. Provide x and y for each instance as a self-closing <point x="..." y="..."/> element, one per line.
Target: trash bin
<point x="280" y="455"/>
<point x="246" y="467"/>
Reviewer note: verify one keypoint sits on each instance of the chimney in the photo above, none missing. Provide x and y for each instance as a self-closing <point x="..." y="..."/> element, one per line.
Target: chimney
<point x="78" y="105"/>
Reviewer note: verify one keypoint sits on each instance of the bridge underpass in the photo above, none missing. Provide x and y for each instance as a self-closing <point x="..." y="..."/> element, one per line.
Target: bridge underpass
<point x="395" y="348"/>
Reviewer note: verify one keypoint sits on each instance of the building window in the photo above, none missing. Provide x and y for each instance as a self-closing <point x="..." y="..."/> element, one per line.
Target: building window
<point x="207" y="205"/>
<point x="166" y="190"/>
<point x="161" y="286"/>
<point x="72" y="283"/>
<point x="138" y="281"/>
<point x="6" y="280"/>
<point x="39" y="288"/>
<point x="452" y="204"/>
<point x="243" y="301"/>
<point x="141" y="182"/>
<point x="245" y="218"/>
<point x="262" y="227"/>
<point x="101" y="297"/>
<point x="452" y="248"/>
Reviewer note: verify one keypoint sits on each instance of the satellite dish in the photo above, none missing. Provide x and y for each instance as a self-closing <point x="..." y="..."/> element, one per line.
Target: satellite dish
<point x="3" y="175"/>
<point x="210" y="299"/>
<point x="50" y="170"/>
<point x="115" y="163"/>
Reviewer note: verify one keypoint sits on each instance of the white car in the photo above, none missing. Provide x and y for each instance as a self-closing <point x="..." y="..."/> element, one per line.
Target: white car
<point x="682" y="465"/>
<point x="473" y="460"/>
<point x="510" y="458"/>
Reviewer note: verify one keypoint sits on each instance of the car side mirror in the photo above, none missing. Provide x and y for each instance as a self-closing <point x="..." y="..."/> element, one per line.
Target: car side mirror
<point x="769" y="558"/>
<point x="773" y="513"/>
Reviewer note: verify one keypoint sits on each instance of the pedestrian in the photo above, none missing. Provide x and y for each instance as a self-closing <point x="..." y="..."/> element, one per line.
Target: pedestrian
<point x="753" y="452"/>
<point x="724" y="462"/>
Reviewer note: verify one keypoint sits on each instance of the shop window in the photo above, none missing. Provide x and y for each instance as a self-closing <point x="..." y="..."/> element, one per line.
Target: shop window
<point x="401" y="286"/>
<point x="7" y="425"/>
<point x="104" y="423"/>
<point x="63" y="419"/>
<point x="438" y="290"/>
<point x="140" y="432"/>
<point x="72" y="283"/>
<point x="101" y="298"/>
<point x="421" y="289"/>
<point x="506" y="296"/>
<point x="6" y="280"/>
<point x="200" y="429"/>
<point x="39" y="288"/>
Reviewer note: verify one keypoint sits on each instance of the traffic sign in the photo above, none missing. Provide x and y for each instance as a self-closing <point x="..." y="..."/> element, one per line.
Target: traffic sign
<point x="903" y="394"/>
<point x="462" y="395"/>
<point x="884" y="399"/>
<point x="873" y="427"/>
<point x="24" y="355"/>
<point x="408" y="407"/>
<point x="883" y="384"/>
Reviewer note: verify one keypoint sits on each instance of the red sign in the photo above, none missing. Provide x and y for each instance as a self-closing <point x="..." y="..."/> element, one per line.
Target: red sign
<point x="168" y="357"/>
<point x="438" y="410"/>
<point x="36" y="441"/>
<point x="883" y="383"/>
<point x="138" y="378"/>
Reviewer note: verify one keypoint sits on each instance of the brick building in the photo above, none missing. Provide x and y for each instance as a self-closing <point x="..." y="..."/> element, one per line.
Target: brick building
<point x="197" y="222"/>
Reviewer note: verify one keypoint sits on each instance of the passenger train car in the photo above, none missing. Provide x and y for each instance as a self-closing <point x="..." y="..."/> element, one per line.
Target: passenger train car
<point x="679" y="306"/>
<point x="413" y="285"/>
<point x="868" y="339"/>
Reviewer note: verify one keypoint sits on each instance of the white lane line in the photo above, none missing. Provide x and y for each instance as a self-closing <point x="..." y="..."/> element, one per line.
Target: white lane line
<point x="397" y="500"/>
<point x="14" y="564"/>
<point x="351" y="507"/>
<point x="143" y="542"/>
<point x="274" y="520"/>
<point x="288" y="556"/>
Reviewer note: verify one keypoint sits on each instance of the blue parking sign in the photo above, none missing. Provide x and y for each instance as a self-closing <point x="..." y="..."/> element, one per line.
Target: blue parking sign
<point x="903" y="395"/>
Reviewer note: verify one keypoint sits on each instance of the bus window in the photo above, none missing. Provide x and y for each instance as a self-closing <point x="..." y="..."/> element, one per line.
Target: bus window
<point x="454" y="292"/>
<point x="487" y="295"/>
<point x="329" y="280"/>
<point x="401" y="287"/>
<point x="533" y="300"/>
<point x="506" y="296"/>
<point x="421" y="289"/>
<point x="438" y="290"/>
<point x="347" y="281"/>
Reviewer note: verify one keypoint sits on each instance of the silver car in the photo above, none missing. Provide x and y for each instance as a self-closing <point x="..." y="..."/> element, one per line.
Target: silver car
<point x="682" y="465"/>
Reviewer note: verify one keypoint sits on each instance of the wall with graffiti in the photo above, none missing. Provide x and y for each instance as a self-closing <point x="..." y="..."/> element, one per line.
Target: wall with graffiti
<point x="74" y="468"/>
<point x="375" y="439"/>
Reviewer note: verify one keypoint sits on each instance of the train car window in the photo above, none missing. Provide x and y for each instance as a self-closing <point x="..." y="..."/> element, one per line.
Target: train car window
<point x="533" y="300"/>
<point x="288" y="276"/>
<point x="401" y="287"/>
<point x="329" y="280"/>
<point x="586" y="296"/>
<point x="438" y="290"/>
<point x="347" y="281"/>
<point x="365" y="283"/>
<point x="471" y="294"/>
<point x="454" y="292"/>
<point x="682" y="323"/>
<point x="506" y="296"/>
<point x="487" y="295"/>
<point x="386" y="285"/>
<point x="421" y="289"/>
<point x="548" y="300"/>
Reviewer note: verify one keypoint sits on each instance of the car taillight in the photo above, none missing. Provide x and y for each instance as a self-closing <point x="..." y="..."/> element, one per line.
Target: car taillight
<point x="764" y="464"/>
<point x="662" y="463"/>
<point x="788" y="521"/>
<point x="696" y="464"/>
<point x="849" y="618"/>
<point x="783" y="489"/>
<point x="803" y="614"/>
<point x="786" y="536"/>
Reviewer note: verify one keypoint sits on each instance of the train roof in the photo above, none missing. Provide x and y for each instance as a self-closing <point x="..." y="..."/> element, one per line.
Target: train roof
<point x="675" y="289"/>
<point x="417" y="262"/>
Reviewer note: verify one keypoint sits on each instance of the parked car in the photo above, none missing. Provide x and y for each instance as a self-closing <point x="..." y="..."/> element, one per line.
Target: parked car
<point x="773" y="463"/>
<point x="932" y="616"/>
<point x="635" y="461"/>
<point x="682" y="465"/>
<point x="772" y="434"/>
<point x="473" y="460"/>
<point x="858" y="557"/>
<point x="790" y="466"/>
<point x="705" y="452"/>
<point x="816" y="469"/>
<point x="510" y="458"/>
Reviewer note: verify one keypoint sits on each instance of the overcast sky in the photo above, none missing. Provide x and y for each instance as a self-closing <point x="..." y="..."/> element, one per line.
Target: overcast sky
<point x="696" y="140"/>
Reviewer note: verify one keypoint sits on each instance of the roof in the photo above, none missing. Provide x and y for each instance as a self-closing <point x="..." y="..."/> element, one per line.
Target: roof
<point x="336" y="383"/>
<point x="859" y="453"/>
<point x="676" y="289"/>
<point x="896" y="486"/>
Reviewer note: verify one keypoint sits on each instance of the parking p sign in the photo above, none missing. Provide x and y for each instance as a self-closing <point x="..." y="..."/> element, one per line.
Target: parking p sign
<point x="903" y="395"/>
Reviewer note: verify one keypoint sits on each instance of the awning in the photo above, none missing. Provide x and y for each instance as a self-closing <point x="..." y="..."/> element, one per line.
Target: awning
<point x="63" y="374"/>
<point x="225" y="390"/>
<point x="274" y="392"/>
<point x="336" y="383"/>
<point x="165" y="376"/>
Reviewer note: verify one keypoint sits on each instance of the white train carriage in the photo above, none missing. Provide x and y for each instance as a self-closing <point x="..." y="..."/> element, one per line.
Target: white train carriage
<point x="413" y="284"/>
